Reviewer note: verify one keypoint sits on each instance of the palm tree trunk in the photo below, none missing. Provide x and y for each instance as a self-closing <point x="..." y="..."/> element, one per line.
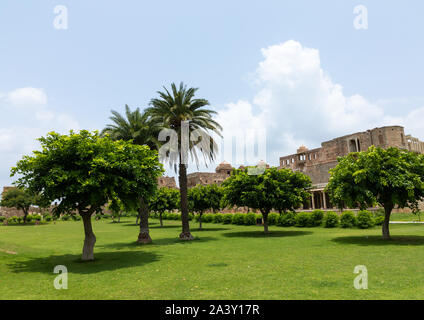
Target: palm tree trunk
<point x="144" y="235"/>
<point x="182" y="177"/>
<point x="90" y="238"/>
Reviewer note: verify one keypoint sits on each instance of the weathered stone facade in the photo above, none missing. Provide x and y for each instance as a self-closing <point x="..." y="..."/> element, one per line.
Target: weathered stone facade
<point x="222" y="172"/>
<point x="316" y="163"/>
<point x="168" y="182"/>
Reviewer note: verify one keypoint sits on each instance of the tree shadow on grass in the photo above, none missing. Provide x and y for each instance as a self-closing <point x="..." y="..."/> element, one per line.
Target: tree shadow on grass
<point x="156" y="242"/>
<point x="104" y="261"/>
<point x="271" y="234"/>
<point x="379" y="241"/>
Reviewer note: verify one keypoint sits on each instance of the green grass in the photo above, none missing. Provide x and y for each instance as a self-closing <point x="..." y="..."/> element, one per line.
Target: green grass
<point x="406" y="217"/>
<point x="225" y="262"/>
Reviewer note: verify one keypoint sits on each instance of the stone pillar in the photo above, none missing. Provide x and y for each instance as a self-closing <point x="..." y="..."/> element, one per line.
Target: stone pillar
<point x="313" y="201"/>
<point x="324" y="200"/>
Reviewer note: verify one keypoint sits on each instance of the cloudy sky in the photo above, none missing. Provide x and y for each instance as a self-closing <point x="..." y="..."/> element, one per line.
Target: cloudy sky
<point x="298" y="70"/>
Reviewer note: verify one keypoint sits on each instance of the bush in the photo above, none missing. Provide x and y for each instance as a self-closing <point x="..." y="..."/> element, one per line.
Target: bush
<point x="48" y="217"/>
<point x="331" y="219"/>
<point x="208" y="217"/>
<point x="98" y="216"/>
<point x="250" y="219"/>
<point x="227" y="218"/>
<point x="13" y="219"/>
<point x="218" y="217"/>
<point x="238" y="218"/>
<point x="365" y="220"/>
<point x="273" y="219"/>
<point x="378" y="220"/>
<point x="348" y="219"/>
<point x="2" y="219"/>
<point x="316" y="218"/>
<point x="287" y="219"/>
<point x="303" y="219"/>
<point x="77" y="217"/>
<point x="65" y="217"/>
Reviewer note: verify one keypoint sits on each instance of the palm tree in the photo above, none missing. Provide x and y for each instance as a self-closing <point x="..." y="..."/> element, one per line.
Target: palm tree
<point x="139" y="128"/>
<point x="179" y="110"/>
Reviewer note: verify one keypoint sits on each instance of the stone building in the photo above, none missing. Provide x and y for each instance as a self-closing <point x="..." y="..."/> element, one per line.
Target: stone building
<point x="222" y="172"/>
<point x="316" y="163"/>
<point x="168" y="182"/>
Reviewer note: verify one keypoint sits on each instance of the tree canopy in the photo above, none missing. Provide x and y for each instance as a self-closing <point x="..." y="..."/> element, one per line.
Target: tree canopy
<point x="274" y="189"/>
<point x="388" y="177"/>
<point x="84" y="171"/>
<point x="165" y="199"/>
<point x="20" y="199"/>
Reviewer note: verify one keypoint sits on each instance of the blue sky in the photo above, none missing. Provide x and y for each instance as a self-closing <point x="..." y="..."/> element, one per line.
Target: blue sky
<point x="121" y="52"/>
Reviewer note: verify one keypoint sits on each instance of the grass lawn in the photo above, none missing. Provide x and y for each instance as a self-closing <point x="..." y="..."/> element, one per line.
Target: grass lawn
<point x="225" y="262"/>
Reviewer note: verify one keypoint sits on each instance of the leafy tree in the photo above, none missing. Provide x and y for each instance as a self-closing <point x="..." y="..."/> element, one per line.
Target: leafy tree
<point x="138" y="128"/>
<point x="165" y="199"/>
<point x="84" y="171"/>
<point x="214" y="195"/>
<point x="172" y="110"/>
<point x="388" y="177"/>
<point x="292" y="189"/>
<point x="198" y="196"/>
<point x="264" y="192"/>
<point x="19" y="198"/>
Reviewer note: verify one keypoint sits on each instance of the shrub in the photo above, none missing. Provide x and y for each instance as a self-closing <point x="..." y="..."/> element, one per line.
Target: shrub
<point x="250" y="219"/>
<point x="378" y="220"/>
<point x="48" y="217"/>
<point x="2" y="219"/>
<point x="238" y="218"/>
<point x="77" y="217"/>
<point x="365" y="220"/>
<point x="316" y="218"/>
<point x="65" y="217"/>
<point x="287" y="219"/>
<point x="208" y="217"/>
<point x="348" y="219"/>
<point x="190" y="216"/>
<point x="218" y="217"/>
<point x="273" y="219"/>
<point x="303" y="219"/>
<point x="98" y="216"/>
<point x="227" y="218"/>
<point x="19" y="219"/>
<point x="13" y="219"/>
<point x="37" y="217"/>
<point x="29" y="218"/>
<point x="331" y="219"/>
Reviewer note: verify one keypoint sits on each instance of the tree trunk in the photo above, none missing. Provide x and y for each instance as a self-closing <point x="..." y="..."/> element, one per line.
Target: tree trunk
<point x="144" y="235"/>
<point x="387" y="212"/>
<point x="90" y="238"/>
<point x="160" y="219"/>
<point x="25" y="216"/>
<point x="200" y="221"/>
<point x="265" y="216"/>
<point x="182" y="177"/>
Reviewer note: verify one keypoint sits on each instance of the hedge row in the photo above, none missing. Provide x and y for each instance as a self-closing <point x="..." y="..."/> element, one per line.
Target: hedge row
<point x="316" y="218"/>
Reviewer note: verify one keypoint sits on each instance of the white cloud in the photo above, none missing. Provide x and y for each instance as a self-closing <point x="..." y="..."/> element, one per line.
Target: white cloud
<point x="26" y="116"/>
<point x="298" y="103"/>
